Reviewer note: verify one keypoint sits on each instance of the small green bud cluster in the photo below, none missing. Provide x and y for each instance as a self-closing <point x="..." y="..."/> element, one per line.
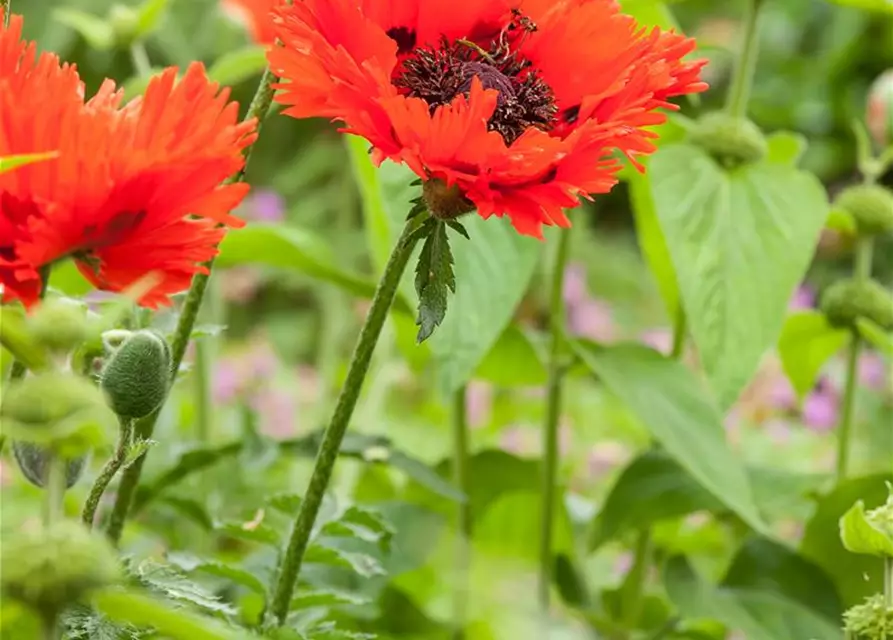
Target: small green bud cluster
<point x="846" y="301"/>
<point x="870" y="207"/>
<point x="730" y="140"/>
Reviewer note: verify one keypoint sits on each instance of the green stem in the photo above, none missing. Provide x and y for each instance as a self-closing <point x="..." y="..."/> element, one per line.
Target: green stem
<point x="140" y="58"/>
<point x="51" y="626"/>
<point x="461" y="478"/>
<point x="54" y="490"/>
<point x="742" y="80"/>
<point x="888" y="582"/>
<point x="111" y="467"/>
<point x="4" y="6"/>
<point x="862" y="271"/>
<point x="680" y="328"/>
<point x="553" y="412"/>
<point x="334" y="434"/>
<point x="632" y="592"/>
<point x="145" y="427"/>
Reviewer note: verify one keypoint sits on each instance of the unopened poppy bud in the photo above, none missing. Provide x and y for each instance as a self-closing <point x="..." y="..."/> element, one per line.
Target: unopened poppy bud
<point x="731" y="141"/>
<point x="445" y="202"/>
<point x="56" y="566"/>
<point x="137" y="375"/>
<point x="846" y="301"/>
<point x="871" y="620"/>
<point x="871" y="206"/>
<point x="125" y="23"/>
<point x="34" y="461"/>
<point x="59" y="325"/>
<point x="63" y="412"/>
<point x="879" y="116"/>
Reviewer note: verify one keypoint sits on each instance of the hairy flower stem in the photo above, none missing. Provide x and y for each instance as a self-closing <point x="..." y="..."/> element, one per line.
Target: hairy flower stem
<point x="145" y="427"/>
<point x="109" y="469"/>
<point x="462" y="479"/>
<point x="4" y="7"/>
<point x="557" y="368"/>
<point x="742" y="80"/>
<point x="862" y="271"/>
<point x="384" y="296"/>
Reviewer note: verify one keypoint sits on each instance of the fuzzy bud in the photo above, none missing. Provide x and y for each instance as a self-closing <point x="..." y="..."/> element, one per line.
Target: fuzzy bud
<point x="34" y="461"/>
<point x="871" y="620"/>
<point x="846" y="301"/>
<point x="731" y="141"/>
<point x="59" y="325"/>
<point x="56" y="566"/>
<point x="137" y="375"/>
<point x="125" y="23"/>
<point x="871" y="206"/>
<point x="880" y="109"/>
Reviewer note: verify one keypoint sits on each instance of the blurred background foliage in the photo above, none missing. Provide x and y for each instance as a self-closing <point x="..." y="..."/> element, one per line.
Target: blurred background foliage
<point x="260" y="387"/>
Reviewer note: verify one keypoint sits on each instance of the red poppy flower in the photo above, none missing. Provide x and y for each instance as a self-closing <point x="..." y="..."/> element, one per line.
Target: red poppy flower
<point x="135" y="189"/>
<point x="515" y="105"/>
<point x="255" y="15"/>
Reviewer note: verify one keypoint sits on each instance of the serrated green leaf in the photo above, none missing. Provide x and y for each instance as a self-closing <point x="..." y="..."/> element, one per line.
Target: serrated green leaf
<point x="434" y="280"/>
<point x="859" y="535"/>
<point x="360" y="563"/>
<point x="189" y="564"/>
<point x="8" y="163"/>
<point x="288" y="503"/>
<point x="170" y="582"/>
<point x="251" y="532"/>
<point x="325" y="598"/>
<point x="668" y="400"/>
<point x="807" y="342"/>
<point x="740" y="242"/>
<point x="98" y="33"/>
<point x="82" y="623"/>
<point x="238" y="66"/>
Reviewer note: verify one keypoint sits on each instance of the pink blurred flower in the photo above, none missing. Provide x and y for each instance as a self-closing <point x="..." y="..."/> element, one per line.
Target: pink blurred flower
<point x="803" y="298"/>
<point x="276" y="410"/>
<point x="264" y="205"/>
<point x="240" y="374"/>
<point x="658" y="339"/>
<point x="592" y="319"/>
<point x="478" y="403"/>
<point x="782" y="394"/>
<point x="575" y="284"/>
<point x="606" y="456"/>
<point x="872" y="371"/>
<point x="820" y="410"/>
<point x="227" y="382"/>
<point x="240" y="284"/>
<point x="779" y="431"/>
<point x="512" y="440"/>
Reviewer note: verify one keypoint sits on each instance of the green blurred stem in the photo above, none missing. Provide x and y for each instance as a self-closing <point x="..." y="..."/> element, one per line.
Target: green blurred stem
<point x="50" y="625"/>
<point x="633" y="590"/>
<point x="347" y="399"/>
<point x="109" y="469"/>
<point x="557" y="371"/>
<point x="4" y="6"/>
<point x="461" y="477"/>
<point x="54" y="491"/>
<point x="888" y="582"/>
<point x="145" y="427"/>
<point x="862" y="271"/>
<point x="140" y="58"/>
<point x="742" y="79"/>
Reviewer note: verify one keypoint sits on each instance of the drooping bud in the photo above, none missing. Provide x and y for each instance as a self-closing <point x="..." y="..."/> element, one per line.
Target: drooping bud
<point x="60" y="411"/>
<point x="846" y="301"/>
<point x="59" y="324"/>
<point x="34" y="461"/>
<point x="880" y="109"/>
<point x="871" y="206"/>
<point x="56" y="566"/>
<point x="731" y="141"/>
<point x="137" y="376"/>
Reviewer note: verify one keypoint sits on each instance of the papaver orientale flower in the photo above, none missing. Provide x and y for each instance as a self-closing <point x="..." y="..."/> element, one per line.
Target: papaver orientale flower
<point x="508" y="107"/>
<point x="134" y="190"/>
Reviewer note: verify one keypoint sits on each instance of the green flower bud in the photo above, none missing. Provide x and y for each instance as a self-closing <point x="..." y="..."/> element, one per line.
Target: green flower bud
<point x="871" y="619"/>
<point x="59" y="324"/>
<point x="882" y="518"/>
<point x="56" y="566"/>
<point x="880" y="109"/>
<point x="137" y="376"/>
<point x="731" y="141"/>
<point x="846" y="301"/>
<point x="871" y="206"/>
<point x="61" y="411"/>
<point x="34" y="461"/>
<point x="125" y="23"/>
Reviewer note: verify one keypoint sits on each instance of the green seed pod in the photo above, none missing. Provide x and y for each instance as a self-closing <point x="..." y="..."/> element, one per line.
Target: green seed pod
<point x="731" y="141"/>
<point x="871" y="620"/>
<point x="137" y="376"/>
<point x="846" y="301"/>
<point x="125" y="23"/>
<point x="56" y="566"/>
<point x="880" y="109"/>
<point x="34" y="461"/>
<point x="59" y="324"/>
<point x="871" y="206"/>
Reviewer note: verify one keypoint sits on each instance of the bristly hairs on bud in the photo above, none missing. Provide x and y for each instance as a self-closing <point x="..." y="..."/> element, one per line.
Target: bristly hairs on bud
<point x="846" y="301"/>
<point x="136" y="378"/>
<point x="870" y="206"/>
<point x="730" y="140"/>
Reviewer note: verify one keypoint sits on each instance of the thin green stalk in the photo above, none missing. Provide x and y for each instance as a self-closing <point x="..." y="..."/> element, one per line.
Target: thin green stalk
<point x="331" y="442"/>
<point x="461" y="478"/>
<point x="888" y="582"/>
<point x="4" y="7"/>
<point x="109" y="469"/>
<point x="51" y="626"/>
<point x="633" y="592"/>
<point x="54" y="490"/>
<point x="140" y="58"/>
<point x="553" y="411"/>
<point x="862" y="271"/>
<point x="680" y="329"/>
<point x="742" y="80"/>
<point x="145" y="427"/>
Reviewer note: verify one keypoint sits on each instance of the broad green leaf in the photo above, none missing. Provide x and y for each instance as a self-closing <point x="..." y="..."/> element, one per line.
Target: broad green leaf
<point x="510" y="525"/>
<point x="765" y="565"/>
<point x="652" y="13"/>
<point x="883" y="6"/>
<point x="740" y="242"/>
<point x="8" y="163"/>
<point x="513" y="361"/>
<point x="652" y="488"/>
<point x="880" y="339"/>
<point x="860" y="535"/>
<point x="66" y="278"/>
<point x="841" y="221"/>
<point x="785" y="147"/>
<point x="755" y="613"/>
<point x="807" y="342"/>
<point x="667" y="398"/>
<point x="175" y="623"/>
<point x="237" y="66"/>
<point x="856" y="576"/>
<point x="98" y="33"/>
<point x="149" y="15"/>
